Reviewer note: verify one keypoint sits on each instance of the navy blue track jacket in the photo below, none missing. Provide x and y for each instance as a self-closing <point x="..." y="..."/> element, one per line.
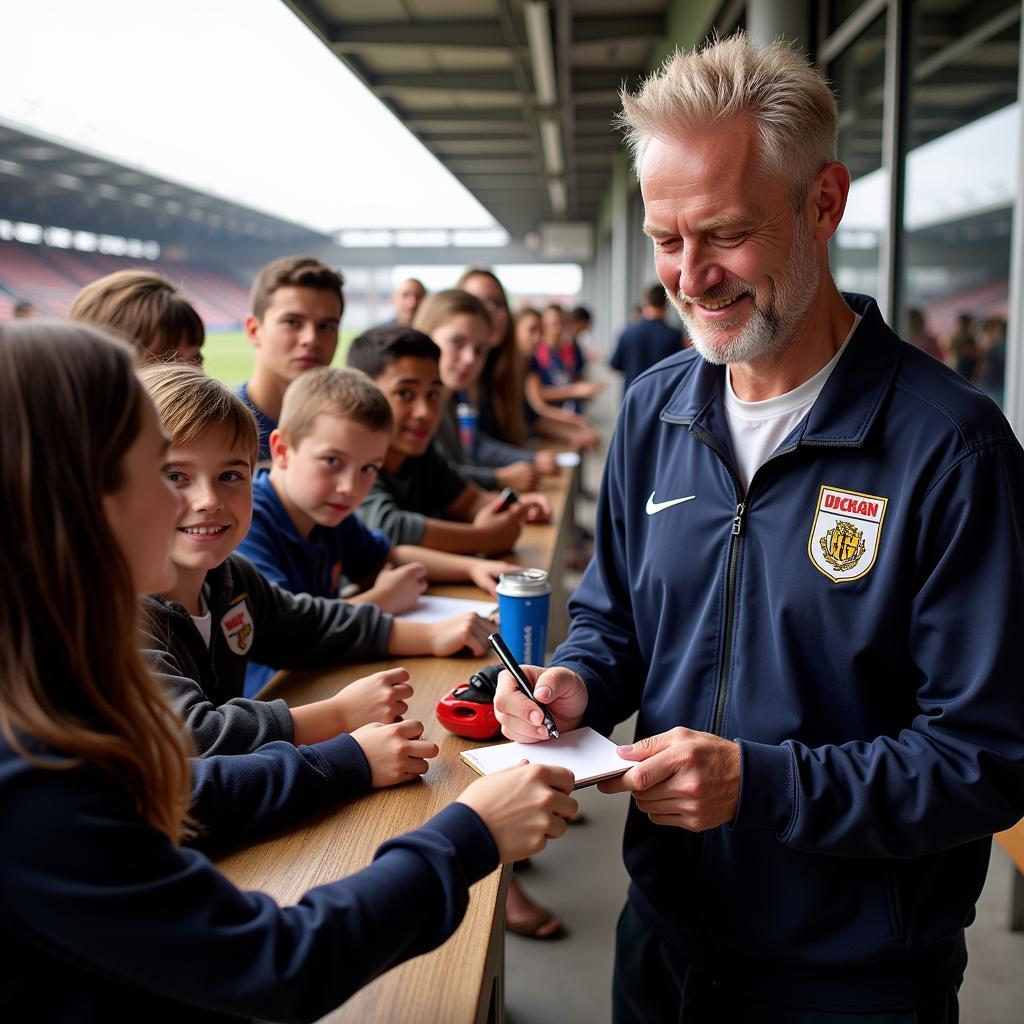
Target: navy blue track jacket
<point x="854" y="622"/>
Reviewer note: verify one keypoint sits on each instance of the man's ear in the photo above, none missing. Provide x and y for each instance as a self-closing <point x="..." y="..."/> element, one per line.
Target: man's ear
<point x="252" y="331"/>
<point x="828" y="194"/>
<point x="279" y="449"/>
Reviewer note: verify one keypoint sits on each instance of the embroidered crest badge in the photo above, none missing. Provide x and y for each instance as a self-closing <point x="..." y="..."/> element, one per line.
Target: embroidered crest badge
<point x="238" y="627"/>
<point x="845" y="534"/>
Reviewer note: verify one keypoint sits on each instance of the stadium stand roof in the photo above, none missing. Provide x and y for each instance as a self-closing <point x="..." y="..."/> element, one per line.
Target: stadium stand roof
<point x="515" y="98"/>
<point x="48" y="181"/>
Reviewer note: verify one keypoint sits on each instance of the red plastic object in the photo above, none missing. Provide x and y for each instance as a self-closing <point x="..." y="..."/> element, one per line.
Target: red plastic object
<point x="464" y="716"/>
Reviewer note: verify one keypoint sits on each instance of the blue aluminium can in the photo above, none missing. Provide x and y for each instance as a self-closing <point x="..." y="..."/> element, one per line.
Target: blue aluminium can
<point x="524" y="598"/>
<point x="467" y="417"/>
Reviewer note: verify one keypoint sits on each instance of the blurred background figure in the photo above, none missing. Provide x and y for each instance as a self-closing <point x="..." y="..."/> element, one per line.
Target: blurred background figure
<point x="962" y="348"/>
<point x="992" y="363"/>
<point x="647" y="340"/>
<point x="25" y="311"/>
<point x="406" y="300"/>
<point x="919" y="335"/>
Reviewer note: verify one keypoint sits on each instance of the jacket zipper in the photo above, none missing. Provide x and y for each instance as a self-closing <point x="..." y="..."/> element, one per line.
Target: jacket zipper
<point x="735" y="534"/>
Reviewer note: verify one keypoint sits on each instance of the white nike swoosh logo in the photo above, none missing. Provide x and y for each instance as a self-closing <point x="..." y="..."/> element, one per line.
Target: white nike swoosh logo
<point x="657" y="506"/>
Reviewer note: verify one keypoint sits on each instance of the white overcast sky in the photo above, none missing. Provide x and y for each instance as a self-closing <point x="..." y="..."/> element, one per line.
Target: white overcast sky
<point x="235" y="97"/>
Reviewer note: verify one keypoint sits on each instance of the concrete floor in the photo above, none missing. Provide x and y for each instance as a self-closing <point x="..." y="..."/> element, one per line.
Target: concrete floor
<point x="581" y="878"/>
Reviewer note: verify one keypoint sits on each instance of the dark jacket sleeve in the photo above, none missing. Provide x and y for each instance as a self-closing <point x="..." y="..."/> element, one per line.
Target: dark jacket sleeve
<point x="87" y="879"/>
<point x="602" y="646"/>
<point x="380" y="511"/>
<point x="490" y="451"/>
<point x="239" y="797"/>
<point x="957" y="772"/>
<point x="236" y="727"/>
<point x="299" y="631"/>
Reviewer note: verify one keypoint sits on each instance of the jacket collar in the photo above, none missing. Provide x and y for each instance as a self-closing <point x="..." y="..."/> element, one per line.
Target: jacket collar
<point x="845" y="409"/>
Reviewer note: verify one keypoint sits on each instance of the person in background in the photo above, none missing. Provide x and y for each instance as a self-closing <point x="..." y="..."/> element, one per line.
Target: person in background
<point x="111" y="909"/>
<point x="459" y="324"/>
<point x="556" y="363"/>
<point x="648" y="341"/>
<point x="547" y="420"/>
<point x="406" y="299"/>
<point x="498" y="393"/>
<point x="146" y="309"/>
<point x="25" y="311"/>
<point x="919" y="335"/>
<point x="962" y="351"/>
<point x="297" y="304"/>
<point x="992" y="347"/>
<point x="578" y="324"/>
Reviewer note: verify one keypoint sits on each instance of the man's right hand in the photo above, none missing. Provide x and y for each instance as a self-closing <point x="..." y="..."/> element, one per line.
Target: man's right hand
<point x="523" y="807"/>
<point x="562" y="690"/>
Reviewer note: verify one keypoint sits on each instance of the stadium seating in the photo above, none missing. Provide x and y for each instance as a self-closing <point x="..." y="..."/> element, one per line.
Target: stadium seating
<point x="50" y="278"/>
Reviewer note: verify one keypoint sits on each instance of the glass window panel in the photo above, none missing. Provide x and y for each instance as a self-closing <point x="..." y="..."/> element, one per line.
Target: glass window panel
<point x="961" y="173"/>
<point x="858" y="78"/>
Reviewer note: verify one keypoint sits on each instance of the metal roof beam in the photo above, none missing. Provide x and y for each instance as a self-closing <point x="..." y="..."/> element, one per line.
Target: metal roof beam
<point x="352" y="37"/>
<point x="617" y="29"/>
<point x="445" y="81"/>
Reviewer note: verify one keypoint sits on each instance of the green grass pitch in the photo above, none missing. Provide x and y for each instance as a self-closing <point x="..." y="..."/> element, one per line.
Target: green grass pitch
<point x="228" y="356"/>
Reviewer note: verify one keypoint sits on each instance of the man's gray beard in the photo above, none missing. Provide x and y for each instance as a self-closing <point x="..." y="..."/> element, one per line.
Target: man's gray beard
<point x="767" y="331"/>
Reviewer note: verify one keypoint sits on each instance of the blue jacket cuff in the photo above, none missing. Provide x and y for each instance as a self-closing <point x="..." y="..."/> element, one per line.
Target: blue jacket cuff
<point x="474" y="845"/>
<point x="767" y="787"/>
<point x="349" y="770"/>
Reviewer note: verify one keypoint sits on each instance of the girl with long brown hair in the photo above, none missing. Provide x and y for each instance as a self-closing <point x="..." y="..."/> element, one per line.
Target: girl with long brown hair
<point x="104" y="914"/>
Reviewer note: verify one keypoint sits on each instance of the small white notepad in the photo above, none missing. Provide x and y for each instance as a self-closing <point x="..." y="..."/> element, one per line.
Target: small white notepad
<point x="587" y="754"/>
<point x="431" y="608"/>
<point x="567" y="460"/>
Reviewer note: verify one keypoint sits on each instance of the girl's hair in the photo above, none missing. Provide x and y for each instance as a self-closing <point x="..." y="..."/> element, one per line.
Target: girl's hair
<point x="439" y="308"/>
<point x="143" y="308"/>
<point x="502" y="379"/>
<point x="191" y="405"/>
<point x="73" y="686"/>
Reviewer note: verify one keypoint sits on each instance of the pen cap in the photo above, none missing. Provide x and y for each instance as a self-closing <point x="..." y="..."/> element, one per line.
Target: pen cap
<point x="524" y="599"/>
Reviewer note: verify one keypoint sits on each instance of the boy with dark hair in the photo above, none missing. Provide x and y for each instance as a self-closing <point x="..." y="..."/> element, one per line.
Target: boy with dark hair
<point x="297" y="303"/>
<point x="419" y="497"/>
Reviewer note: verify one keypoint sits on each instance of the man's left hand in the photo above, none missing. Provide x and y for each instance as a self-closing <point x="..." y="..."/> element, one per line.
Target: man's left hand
<point x="687" y="779"/>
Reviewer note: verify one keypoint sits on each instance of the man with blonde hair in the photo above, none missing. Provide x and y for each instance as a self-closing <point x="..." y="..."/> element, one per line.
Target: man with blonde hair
<point x="802" y="521"/>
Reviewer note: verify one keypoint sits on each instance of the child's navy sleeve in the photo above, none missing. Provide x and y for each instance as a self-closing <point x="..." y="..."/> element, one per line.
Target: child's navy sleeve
<point x="365" y="550"/>
<point x="90" y="886"/>
<point x="261" y="546"/>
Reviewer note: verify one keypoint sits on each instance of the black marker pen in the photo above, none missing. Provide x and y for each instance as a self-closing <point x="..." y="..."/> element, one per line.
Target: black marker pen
<point x="502" y="651"/>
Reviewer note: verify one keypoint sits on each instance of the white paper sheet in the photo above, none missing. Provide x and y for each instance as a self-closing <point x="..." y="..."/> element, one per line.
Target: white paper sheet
<point x="432" y="608"/>
<point x="567" y="459"/>
<point x="587" y="754"/>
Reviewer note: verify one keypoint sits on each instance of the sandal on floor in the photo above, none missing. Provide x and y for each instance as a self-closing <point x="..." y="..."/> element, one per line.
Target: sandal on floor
<point x="543" y="925"/>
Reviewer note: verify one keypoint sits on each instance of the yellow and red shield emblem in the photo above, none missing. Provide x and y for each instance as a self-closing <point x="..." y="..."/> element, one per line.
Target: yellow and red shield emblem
<point x="845" y="533"/>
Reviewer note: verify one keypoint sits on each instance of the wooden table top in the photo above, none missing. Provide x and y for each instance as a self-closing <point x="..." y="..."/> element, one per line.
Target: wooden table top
<point x="444" y="985"/>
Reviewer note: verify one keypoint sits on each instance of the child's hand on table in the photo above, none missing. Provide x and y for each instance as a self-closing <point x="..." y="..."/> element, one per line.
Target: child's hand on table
<point x="378" y="698"/>
<point x="398" y="589"/>
<point x="396" y="752"/>
<point x="449" y="636"/>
